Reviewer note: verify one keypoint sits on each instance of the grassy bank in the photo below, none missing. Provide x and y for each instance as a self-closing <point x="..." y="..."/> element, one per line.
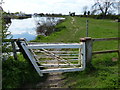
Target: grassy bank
<point x="106" y="73"/>
<point x="72" y="31"/>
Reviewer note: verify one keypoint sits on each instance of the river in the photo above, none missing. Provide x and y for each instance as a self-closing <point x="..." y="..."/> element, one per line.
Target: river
<point x="26" y="28"/>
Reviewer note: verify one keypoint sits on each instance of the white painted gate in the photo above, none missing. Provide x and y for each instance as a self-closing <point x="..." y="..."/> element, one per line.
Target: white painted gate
<point x="54" y="57"/>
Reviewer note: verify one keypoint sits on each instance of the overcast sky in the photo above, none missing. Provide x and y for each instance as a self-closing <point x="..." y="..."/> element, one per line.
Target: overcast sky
<point x="46" y="6"/>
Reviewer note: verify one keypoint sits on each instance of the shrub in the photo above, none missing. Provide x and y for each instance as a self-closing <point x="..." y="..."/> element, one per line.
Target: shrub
<point x="16" y="73"/>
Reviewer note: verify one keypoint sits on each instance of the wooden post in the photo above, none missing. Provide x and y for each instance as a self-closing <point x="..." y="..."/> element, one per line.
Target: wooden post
<point x="14" y="50"/>
<point x="88" y="50"/>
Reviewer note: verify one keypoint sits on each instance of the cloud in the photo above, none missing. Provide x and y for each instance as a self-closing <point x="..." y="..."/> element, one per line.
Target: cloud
<point x="46" y="6"/>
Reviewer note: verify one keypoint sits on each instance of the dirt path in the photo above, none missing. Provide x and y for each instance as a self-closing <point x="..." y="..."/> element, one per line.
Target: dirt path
<point x="73" y="23"/>
<point x="54" y="80"/>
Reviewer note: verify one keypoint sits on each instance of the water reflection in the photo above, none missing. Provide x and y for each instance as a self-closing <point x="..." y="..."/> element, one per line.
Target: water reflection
<point x="26" y="28"/>
<point x="25" y="35"/>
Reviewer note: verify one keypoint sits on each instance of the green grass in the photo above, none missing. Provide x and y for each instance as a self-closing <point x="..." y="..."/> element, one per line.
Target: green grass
<point x="97" y="79"/>
<point x="73" y="32"/>
<point x="17" y="73"/>
<point x="106" y="73"/>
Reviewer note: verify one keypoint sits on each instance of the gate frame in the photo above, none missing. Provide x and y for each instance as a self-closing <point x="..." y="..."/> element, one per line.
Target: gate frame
<point x="28" y="54"/>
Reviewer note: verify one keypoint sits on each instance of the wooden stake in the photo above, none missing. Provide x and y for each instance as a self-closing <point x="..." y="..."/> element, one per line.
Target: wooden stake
<point x="14" y="50"/>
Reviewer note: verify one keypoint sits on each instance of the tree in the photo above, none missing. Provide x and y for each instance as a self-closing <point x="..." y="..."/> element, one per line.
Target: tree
<point x="88" y="12"/>
<point x="85" y="13"/>
<point x="85" y="10"/>
<point x="5" y="23"/>
<point x="46" y="26"/>
<point x="104" y="7"/>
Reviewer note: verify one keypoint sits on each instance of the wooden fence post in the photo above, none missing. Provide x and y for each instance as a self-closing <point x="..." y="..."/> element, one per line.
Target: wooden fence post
<point x="88" y="50"/>
<point x="14" y="50"/>
<point x="88" y="45"/>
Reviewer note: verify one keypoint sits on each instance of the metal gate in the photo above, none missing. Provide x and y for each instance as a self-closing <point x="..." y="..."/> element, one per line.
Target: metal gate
<point x="54" y="57"/>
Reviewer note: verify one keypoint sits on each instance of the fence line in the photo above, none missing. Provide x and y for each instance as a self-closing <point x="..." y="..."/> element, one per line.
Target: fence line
<point x="104" y="39"/>
<point x="14" y="48"/>
<point x="89" y="45"/>
<point x="106" y="51"/>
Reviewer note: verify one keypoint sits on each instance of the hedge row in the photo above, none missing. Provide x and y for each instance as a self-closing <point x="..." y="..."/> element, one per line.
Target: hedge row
<point x="102" y="17"/>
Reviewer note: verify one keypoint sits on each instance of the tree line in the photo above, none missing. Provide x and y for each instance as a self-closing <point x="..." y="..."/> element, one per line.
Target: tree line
<point x="103" y="9"/>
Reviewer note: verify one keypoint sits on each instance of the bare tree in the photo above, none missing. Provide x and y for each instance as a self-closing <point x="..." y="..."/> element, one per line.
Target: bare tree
<point x="104" y="7"/>
<point x="46" y="26"/>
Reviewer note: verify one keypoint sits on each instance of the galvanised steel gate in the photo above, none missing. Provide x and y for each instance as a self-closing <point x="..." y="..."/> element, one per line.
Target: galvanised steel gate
<point x="54" y="57"/>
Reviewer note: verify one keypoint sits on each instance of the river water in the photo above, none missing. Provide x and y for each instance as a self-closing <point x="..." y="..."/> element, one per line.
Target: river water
<point x="26" y="28"/>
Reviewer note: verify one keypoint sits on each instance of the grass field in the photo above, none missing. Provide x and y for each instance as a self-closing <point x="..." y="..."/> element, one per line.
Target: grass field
<point x="72" y="31"/>
<point x="106" y="73"/>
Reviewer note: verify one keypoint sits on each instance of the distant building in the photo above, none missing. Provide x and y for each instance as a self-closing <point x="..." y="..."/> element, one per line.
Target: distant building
<point x="72" y="14"/>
